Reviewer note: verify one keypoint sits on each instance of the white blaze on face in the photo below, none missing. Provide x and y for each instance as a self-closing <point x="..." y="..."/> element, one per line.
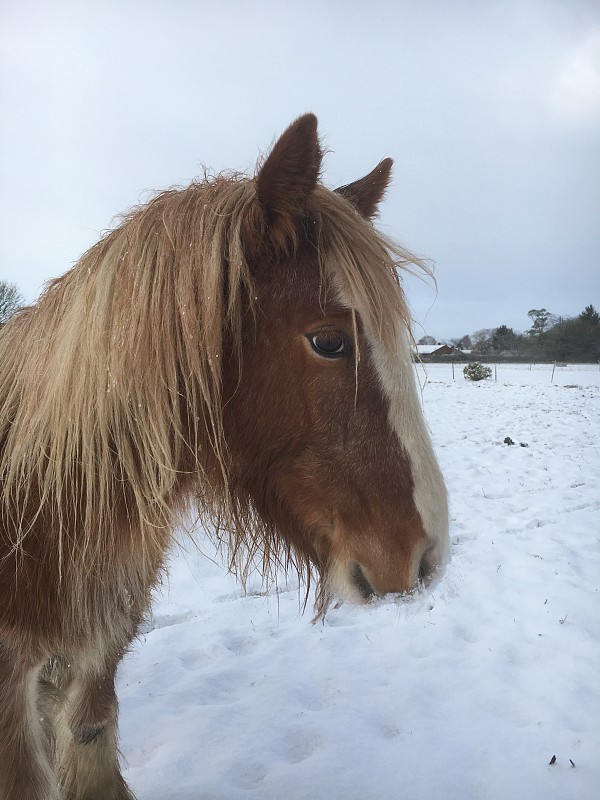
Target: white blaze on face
<point x="396" y="372"/>
<point x="394" y="366"/>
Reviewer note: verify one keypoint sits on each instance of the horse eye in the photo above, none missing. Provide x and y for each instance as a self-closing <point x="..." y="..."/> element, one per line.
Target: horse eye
<point x="329" y="344"/>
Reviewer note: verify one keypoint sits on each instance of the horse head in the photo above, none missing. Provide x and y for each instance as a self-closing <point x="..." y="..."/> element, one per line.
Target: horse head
<point x="321" y="415"/>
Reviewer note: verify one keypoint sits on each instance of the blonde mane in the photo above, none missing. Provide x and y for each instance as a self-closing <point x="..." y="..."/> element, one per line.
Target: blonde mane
<point x="110" y="385"/>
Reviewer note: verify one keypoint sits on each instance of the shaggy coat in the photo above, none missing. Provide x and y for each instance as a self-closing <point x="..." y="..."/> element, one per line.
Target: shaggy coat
<point x="236" y="350"/>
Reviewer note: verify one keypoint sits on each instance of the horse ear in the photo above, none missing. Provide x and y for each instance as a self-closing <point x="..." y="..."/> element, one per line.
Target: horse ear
<point x="366" y="193"/>
<point x="290" y="173"/>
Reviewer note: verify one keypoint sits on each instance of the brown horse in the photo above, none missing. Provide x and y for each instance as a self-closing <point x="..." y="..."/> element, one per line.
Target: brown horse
<point x="238" y="348"/>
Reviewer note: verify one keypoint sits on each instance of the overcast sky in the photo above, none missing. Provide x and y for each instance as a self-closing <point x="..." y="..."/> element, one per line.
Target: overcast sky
<point x="491" y="111"/>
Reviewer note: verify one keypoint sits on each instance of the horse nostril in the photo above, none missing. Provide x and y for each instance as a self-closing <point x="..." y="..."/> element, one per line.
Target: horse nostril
<point x="427" y="567"/>
<point x="359" y="580"/>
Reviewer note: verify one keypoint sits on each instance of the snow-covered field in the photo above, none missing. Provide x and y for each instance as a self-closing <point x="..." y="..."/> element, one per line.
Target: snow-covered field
<point x="466" y="691"/>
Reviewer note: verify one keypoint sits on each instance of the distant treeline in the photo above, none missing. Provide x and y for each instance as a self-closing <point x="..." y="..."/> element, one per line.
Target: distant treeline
<point x="550" y="338"/>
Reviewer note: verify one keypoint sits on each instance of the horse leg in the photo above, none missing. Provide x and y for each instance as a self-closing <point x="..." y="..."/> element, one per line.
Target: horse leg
<point x="25" y="766"/>
<point x="85" y="732"/>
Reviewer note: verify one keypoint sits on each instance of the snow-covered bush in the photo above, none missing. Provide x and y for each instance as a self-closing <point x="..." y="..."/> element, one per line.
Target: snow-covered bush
<point x="477" y="372"/>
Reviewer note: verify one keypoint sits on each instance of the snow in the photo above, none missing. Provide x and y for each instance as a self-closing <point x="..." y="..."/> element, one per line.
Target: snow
<point x="428" y="349"/>
<point x="464" y="691"/>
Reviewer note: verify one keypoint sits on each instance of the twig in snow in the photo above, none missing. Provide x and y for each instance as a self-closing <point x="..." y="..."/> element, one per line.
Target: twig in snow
<point x="553" y="760"/>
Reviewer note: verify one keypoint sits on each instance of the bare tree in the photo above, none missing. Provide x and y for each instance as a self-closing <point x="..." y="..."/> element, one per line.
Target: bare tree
<point x="10" y="300"/>
<point x="482" y="340"/>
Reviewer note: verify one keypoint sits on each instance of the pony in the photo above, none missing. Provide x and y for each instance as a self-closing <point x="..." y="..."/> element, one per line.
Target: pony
<point x="238" y="350"/>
